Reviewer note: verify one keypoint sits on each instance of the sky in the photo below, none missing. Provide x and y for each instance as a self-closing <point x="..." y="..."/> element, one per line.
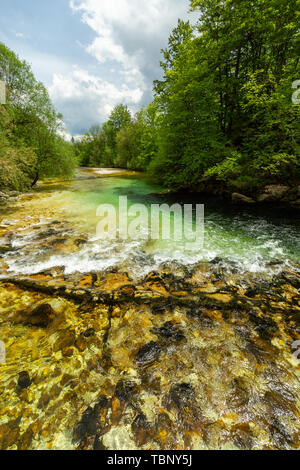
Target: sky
<point x="92" y="54"/>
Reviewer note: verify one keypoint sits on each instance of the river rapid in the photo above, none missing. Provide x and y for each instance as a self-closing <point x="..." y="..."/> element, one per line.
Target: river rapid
<point x="145" y="344"/>
<point x="262" y="241"/>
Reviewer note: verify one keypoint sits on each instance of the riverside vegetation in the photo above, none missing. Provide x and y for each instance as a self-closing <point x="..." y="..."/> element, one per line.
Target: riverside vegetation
<point x="136" y="344"/>
<point x="222" y="120"/>
<point x="30" y="146"/>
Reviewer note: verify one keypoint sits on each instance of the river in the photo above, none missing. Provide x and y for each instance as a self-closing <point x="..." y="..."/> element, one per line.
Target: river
<point x="246" y="240"/>
<point x="140" y="343"/>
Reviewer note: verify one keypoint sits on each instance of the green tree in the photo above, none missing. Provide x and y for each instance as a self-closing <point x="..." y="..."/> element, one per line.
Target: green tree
<point x="32" y="121"/>
<point x="119" y="118"/>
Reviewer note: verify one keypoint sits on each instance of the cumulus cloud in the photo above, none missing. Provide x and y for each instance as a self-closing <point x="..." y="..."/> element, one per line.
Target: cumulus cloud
<point x="87" y="99"/>
<point x="130" y="32"/>
<point x="128" y="36"/>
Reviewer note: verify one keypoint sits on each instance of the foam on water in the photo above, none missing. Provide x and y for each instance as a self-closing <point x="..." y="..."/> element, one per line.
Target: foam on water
<point x="241" y="241"/>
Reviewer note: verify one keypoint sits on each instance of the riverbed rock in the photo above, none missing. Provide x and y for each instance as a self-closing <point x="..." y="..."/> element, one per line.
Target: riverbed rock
<point x="65" y="340"/>
<point x="148" y="354"/>
<point x="141" y="429"/>
<point x="242" y="199"/>
<point x="9" y="434"/>
<point x="239" y="396"/>
<point x="181" y="395"/>
<point x="42" y="316"/>
<point x="273" y="193"/>
<point x="24" y="380"/>
<point x="169" y="331"/>
<point x="211" y="369"/>
<point x="124" y="390"/>
<point x="89" y="333"/>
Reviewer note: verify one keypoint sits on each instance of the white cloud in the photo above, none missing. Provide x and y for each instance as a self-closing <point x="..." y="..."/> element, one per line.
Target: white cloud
<point x="130" y="33"/>
<point x="89" y="99"/>
<point x="128" y="36"/>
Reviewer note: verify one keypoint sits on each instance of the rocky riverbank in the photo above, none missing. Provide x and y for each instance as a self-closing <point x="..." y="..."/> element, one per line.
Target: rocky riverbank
<point x="7" y="197"/>
<point x="274" y="194"/>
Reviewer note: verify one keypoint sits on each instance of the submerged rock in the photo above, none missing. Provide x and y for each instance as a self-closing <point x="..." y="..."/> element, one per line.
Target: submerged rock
<point x="142" y="430"/>
<point x="148" y="354"/>
<point x="88" y="424"/>
<point x="169" y="331"/>
<point x="239" y="396"/>
<point x="181" y="395"/>
<point x="41" y="316"/>
<point x="9" y="434"/>
<point x="89" y="333"/>
<point x="124" y="390"/>
<point x="228" y="378"/>
<point x="242" y="199"/>
<point x="24" y="380"/>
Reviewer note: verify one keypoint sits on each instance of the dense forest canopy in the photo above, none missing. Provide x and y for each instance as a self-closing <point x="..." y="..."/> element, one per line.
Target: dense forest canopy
<point x="30" y="146"/>
<point x="222" y="113"/>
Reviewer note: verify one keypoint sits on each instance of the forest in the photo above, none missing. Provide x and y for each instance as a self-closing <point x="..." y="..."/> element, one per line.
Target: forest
<point x="222" y="114"/>
<point x="223" y="111"/>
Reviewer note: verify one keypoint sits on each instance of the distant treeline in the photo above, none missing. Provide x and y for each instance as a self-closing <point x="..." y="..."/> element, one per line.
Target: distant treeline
<point x="223" y="111"/>
<point x="30" y="147"/>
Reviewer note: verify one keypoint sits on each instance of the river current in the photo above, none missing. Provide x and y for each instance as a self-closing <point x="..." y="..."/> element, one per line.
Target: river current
<point x="243" y="239"/>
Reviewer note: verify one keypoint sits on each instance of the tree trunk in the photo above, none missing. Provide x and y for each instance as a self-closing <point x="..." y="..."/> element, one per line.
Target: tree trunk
<point x="35" y="179"/>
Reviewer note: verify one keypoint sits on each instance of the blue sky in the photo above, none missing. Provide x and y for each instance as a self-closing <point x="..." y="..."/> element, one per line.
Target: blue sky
<point x="91" y="54"/>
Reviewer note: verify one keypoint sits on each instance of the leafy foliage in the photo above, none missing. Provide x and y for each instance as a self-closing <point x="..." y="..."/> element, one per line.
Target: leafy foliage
<point x="29" y="127"/>
<point x="222" y="111"/>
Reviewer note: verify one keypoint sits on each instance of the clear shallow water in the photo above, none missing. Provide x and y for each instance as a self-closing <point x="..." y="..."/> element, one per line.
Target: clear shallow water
<point x="249" y="240"/>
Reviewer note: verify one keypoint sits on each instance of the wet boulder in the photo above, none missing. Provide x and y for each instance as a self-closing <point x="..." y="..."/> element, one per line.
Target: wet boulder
<point x="273" y="193"/>
<point x="242" y="199"/>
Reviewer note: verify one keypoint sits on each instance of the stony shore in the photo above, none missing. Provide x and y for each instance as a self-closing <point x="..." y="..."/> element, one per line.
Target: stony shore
<point x="270" y="195"/>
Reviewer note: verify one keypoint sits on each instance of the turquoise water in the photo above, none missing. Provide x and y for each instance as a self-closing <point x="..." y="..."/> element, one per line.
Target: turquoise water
<point x="242" y="239"/>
